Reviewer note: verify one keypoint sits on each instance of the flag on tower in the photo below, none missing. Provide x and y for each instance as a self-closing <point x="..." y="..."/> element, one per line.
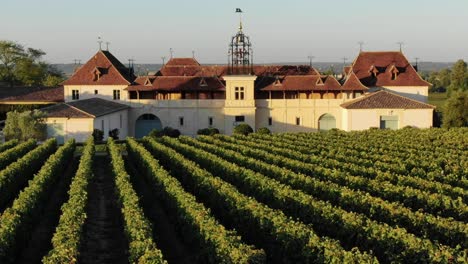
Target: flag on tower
<point x="238" y="10"/>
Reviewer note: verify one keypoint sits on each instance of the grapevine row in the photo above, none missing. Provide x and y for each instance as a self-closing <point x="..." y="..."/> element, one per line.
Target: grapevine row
<point x="221" y="245"/>
<point x="7" y="145"/>
<point x="15" y="153"/>
<point x="284" y="239"/>
<point x="16" y="175"/>
<point x="17" y="220"/>
<point x="444" y="230"/>
<point x="389" y="244"/>
<point x="137" y="227"/>
<point x="69" y="232"/>
<point x="347" y="163"/>
<point x="433" y="203"/>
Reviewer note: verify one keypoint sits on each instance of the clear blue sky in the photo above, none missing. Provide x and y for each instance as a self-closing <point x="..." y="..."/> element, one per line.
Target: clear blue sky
<point x="281" y="31"/>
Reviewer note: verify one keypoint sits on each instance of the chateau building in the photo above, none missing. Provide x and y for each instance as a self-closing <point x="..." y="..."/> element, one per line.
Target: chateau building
<point x="379" y="89"/>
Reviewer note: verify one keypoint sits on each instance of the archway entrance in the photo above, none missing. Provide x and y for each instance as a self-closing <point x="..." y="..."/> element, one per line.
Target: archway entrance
<point x="326" y="122"/>
<point x="145" y="123"/>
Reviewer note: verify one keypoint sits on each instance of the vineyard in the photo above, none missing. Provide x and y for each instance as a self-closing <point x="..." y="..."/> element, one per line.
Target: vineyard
<point x="375" y="196"/>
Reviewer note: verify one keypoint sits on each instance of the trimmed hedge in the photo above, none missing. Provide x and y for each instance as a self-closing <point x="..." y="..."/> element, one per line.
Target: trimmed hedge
<point x="137" y="227"/>
<point x="17" y="221"/>
<point x="68" y="234"/>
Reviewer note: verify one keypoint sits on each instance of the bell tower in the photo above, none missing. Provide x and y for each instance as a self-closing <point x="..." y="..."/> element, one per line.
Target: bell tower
<point x="239" y="106"/>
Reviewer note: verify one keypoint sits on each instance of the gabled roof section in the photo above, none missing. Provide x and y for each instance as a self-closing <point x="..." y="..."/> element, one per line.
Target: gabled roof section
<point x="385" y="100"/>
<point x="372" y="69"/>
<point x="111" y="71"/>
<point x="352" y="83"/>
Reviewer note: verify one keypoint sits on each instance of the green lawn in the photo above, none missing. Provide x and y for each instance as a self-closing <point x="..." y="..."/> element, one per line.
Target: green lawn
<point x="437" y="99"/>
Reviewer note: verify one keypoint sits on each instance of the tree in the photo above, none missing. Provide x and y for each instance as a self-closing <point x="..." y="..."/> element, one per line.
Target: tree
<point x="458" y="77"/>
<point x="25" y="125"/>
<point x="455" y="112"/>
<point x="21" y="66"/>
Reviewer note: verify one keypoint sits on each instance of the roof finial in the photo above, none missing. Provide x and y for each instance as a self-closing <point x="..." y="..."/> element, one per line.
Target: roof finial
<point x="238" y="10"/>
<point x="172" y="52"/>
<point x="107" y="45"/>
<point x="311" y="58"/>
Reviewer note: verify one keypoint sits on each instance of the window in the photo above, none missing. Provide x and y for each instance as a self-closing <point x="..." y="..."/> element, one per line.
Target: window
<point x="102" y="125"/>
<point x="270" y="121"/>
<point x="120" y="120"/>
<point x="240" y="118"/>
<point x="298" y="121"/>
<point x="239" y="93"/>
<point x="95" y="91"/>
<point x="75" y="95"/>
<point x="210" y="121"/>
<point x="181" y="121"/>
<point x="116" y="94"/>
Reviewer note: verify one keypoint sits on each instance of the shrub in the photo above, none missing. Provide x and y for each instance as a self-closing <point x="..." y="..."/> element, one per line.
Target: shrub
<point x="114" y="133"/>
<point x="263" y="130"/>
<point x="243" y="129"/>
<point x="25" y="125"/>
<point x="210" y="131"/>
<point x="98" y="135"/>
<point x="166" y="131"/>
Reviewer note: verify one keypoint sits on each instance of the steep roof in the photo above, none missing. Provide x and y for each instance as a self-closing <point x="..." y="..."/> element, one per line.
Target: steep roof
<point x="352" y="83"/>
<point x="182" y="62"/>
<point x="32" y="94"/>
<point x="88" y="108"/>
<point x="102" y="69"/>
<point x="385" y="100"/>
<point x="373" y="69"/>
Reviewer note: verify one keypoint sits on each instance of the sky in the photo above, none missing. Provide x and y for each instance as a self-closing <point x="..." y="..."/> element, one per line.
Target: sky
<point x="280" y="31"/>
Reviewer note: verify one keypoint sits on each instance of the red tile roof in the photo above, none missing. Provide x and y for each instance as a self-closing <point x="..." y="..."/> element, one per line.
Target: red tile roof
<point x="373" y="69"/>
<point x="182" y="62"/>
<point x="352" y="83"/>
<point x="385" y="100"/>
<point x="102" y="69"/>
<point x="32" y="94"/>
<point x="180" y="83"/>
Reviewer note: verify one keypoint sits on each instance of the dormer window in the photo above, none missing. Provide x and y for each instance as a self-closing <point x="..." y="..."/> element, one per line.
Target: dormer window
<point x="96" y="74"/>
<point x="203" y="82"/>
<point x="277" y="81"/>
<point x="373" y="70"/>
<point x="394" y="71"/>
<point x="147" y="82"/>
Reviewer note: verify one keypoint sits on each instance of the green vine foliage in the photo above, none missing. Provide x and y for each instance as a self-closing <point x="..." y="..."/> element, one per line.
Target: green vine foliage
<point x="68" y="234"/>
<point x="16" y="221"/>
<point x="137" y="227"/>
<point x="218" y="244"/>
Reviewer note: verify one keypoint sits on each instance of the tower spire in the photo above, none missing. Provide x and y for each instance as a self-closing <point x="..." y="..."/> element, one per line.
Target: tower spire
<point x="238" y="10"/>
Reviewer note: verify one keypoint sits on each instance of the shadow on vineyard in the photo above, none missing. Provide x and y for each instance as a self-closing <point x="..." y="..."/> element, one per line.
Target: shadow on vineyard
<point x="164" y="232"/>
<point x="103" y="239"/>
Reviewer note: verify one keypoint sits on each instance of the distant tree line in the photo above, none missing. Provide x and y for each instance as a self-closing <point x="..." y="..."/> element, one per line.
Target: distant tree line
<point x="21" y="66"/>
<point x="454" y="81"/>
<point x="449" y="80"/>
